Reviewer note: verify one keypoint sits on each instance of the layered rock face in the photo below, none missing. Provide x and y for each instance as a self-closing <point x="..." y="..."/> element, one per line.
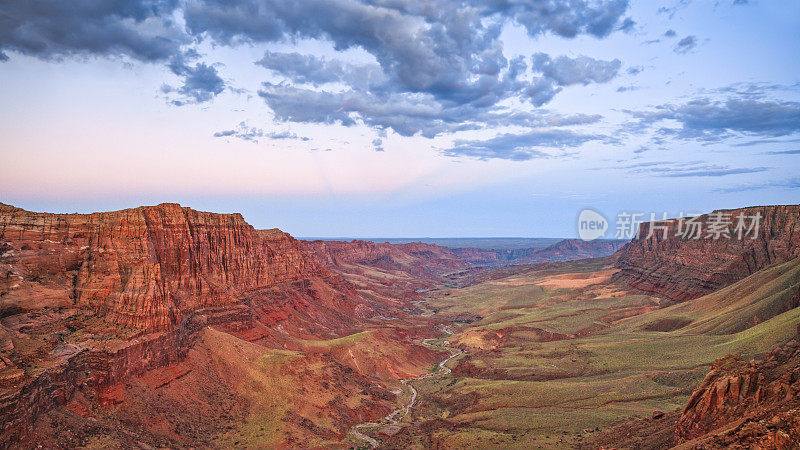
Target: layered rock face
<point x="419" y="259"/>
<point x="752" y="405"/>
<point x="88" y="300"/>
<point x="431" y="259"/>
<point x="681" y="268"/>
<point x="143" y="268"/>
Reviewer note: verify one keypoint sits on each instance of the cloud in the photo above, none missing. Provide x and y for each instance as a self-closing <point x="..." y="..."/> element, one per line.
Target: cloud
<point x="50" y="29"/>
<point x="564" y="18"/>
<point x="686" y="45"/>
<point x="670" y="169"/>
<point x="521" y="147"/>
<point x="564" y="71"/>
<point x="764" y="141"/>
<point x="443" y="56"/>
<point x="672" y="10"/>
<point x="783" y="152"/>
<point x="315" y="70"/>
<point x="201" y="82"/>
<point x="793" y="183"/>
<point x="711" y="120"/>
<point x="252" y="134"/>
<point x="627" y="26"/>
<point x="753" y="91"/>
<point x="406" y="114"/>
<point x="670" y="33"/>
<point x="635" y="70"/>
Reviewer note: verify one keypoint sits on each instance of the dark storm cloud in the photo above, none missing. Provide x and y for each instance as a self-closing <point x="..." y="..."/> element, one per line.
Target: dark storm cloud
<point x="521" y="147"/>
<point x="712" y="120"/>
<point x="253" y="134"/>
<point x="686" y="44"/>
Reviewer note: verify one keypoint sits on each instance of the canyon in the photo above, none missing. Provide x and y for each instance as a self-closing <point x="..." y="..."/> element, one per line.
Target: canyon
<point x="168" y="327"/>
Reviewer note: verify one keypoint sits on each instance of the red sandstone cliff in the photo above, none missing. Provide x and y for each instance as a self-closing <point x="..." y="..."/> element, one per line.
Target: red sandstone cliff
<point x="147" y="267"/>
<point x="681" y="269"/>
<point x="747" y="404"/>
<point x="431" y="260"/>
<point x="88" y="300"/>
<point x="419" y="259"/>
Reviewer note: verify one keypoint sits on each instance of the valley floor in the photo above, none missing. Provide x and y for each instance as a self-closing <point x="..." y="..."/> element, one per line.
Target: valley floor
<point x="556" y="354"/>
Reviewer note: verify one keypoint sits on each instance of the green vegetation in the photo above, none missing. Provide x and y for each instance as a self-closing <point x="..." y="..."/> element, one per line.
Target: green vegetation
<point x="621" y="357"/>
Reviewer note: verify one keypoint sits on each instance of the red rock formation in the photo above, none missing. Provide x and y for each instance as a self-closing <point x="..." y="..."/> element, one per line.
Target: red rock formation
<point x="96" y="298"/>
<point x="425" y="260"/>
<point x="431" y="260"/>
<point x="147" y="267"/>
<point x="748" y="404"/>
<point x="681" y="269"/>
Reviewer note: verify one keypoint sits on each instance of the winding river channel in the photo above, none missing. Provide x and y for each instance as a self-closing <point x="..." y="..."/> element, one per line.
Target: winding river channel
<point x="400" y="413"/>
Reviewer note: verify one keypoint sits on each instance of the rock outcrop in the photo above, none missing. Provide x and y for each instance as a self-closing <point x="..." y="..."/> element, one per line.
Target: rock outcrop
<point x="431" y="260"/>
<point x="146" y="268"/>
<point x="91" y="299"/>
<point x="680" y="268"/>
<point x="747" y="404"/>
<point x="418" y="259"/>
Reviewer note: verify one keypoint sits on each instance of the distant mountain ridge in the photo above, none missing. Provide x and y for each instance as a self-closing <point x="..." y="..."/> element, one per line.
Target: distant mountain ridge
<point x="426" y="260"/>
<point x="487" y="243"/>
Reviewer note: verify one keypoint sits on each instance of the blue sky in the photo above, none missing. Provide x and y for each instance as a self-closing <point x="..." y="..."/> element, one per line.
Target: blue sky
<point x="396" y="118"/>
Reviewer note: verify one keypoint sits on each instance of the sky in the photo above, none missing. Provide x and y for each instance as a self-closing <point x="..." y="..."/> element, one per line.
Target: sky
<point x="400" y="118"/>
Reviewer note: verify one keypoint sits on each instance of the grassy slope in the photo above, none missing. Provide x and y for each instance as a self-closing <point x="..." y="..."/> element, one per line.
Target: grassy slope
<point x="619" y="371"/>
<point x="280" y="384"/>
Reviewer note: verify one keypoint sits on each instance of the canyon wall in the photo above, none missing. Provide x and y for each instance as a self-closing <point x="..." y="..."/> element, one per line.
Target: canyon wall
<point x="564" y="250"/>
<point x="91" y="299"/>
<point x="432" y="259"/>
<point x="680" y="268"/>
<point x="146" y="267"/>
<point x="419" y="259"/>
